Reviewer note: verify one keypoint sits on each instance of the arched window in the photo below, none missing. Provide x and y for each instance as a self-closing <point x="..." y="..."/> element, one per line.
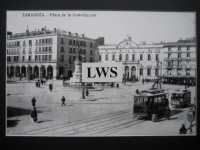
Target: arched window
<point x="157" y="57"/>
<point x="133" y="57"/>
<point x="148" y="71"/>
<point x="120" y="57"/>
<point x="113" y="57"/>
<point x="149" y="56"/>
<point x="141" y="71"/>
<point x="126" y="56"/>
<point x="106" y="57"/>
<point x="99" y="57"/>
<point x="141" y="57"/>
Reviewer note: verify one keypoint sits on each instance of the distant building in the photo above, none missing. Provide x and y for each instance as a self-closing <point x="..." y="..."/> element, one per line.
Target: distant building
<point x="48" y="52"/>
<point x="138" y="61"/>
<point x="180" y="62"/>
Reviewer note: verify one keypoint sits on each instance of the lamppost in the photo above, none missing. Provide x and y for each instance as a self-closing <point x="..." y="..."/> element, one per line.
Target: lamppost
<point x="157" y="72"/>
<point x="83" y="93"/>
<point x="125" y="72"/>
<point x="190" y="117"/>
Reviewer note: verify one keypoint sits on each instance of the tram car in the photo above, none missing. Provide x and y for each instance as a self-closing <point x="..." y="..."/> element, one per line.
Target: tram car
<point x="180" y="98"/>
<point x="149" y="102"/>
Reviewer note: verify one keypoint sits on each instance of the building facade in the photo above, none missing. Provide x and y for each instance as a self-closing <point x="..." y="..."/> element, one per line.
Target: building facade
<point x="138" y="60"/>
<point x="48" y="52"/>
<point x="180" y="62"/>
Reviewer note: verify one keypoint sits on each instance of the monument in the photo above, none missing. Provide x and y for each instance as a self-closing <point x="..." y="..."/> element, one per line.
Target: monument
<point x="76" y="79"/>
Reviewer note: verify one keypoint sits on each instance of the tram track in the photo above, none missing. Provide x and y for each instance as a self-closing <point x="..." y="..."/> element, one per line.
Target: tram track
<point x="103" y="125"/>
<point x="32" y="132"/>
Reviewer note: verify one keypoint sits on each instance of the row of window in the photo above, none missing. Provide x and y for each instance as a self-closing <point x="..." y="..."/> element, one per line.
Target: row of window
<point x="179" y="55"/>
<point x="76" y="42"/>
<point x="127" y="57"/>
<point x="71" y="59"/>
<point x="43" y="49"/>
<point x="149" y="71"/>
<point x="37" y="58"/>
<point x="179" y="48"/>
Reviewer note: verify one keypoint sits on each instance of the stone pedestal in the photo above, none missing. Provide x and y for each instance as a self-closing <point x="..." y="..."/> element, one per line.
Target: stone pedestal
<point x="76" y="79"/>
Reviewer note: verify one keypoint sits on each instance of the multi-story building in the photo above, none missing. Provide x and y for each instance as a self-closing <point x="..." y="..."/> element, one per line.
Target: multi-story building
<point x="180" y="62"/>
<point x="139" y="60"/>
<point x="48" y="52"/>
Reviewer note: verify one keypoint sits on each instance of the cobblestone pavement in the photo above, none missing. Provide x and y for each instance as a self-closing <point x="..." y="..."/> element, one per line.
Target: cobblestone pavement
<point x="104" y="112"/>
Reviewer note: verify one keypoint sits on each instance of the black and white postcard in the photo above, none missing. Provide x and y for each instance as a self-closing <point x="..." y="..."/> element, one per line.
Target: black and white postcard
<point x="101" y="73"/>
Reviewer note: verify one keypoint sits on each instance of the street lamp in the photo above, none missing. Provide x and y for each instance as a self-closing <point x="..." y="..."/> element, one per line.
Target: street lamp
<point x="125" y="72"/>
<point x="83" y="93"/>
<point x="190" y="117"/>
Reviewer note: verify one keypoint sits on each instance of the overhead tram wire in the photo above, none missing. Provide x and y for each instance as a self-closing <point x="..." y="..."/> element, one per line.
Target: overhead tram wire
<point x="188" y="18"/>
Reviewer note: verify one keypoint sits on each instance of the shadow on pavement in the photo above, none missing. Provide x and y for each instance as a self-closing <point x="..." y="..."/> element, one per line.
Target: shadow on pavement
<point x="13" y="112"/>
<point x="43" y="121"/>
<point x="12" y="123"/>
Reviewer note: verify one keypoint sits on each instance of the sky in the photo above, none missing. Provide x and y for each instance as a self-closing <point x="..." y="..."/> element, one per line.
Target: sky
<point x="114" y="26"/>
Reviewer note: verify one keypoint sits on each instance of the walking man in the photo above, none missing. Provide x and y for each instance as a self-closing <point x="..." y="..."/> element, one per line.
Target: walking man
<point x="87" y="92"/>
<point x="167" y="113"/>
<point x="42" y="81"/>
<point x="50" y="87"/>
<point x="34" y="115"/>
<point x="63" y="101"/>
<point x="117" y="85"/>
<point x="33" y="102"/>
<point x="143" y="81"/>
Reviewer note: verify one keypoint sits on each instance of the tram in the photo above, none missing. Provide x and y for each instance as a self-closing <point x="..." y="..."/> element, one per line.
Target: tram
<point x="149" y="102"/>
<point x="180" y="98"/>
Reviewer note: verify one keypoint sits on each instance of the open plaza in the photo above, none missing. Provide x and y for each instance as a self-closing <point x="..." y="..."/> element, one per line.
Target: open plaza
<point x="106" y="111"/>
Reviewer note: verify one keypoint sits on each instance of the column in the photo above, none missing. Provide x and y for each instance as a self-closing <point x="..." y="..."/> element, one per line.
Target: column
<point x="14" y="71"/>
<point x="130" y="71"/>
<point x="20" y="70"/>
<point x="32" y="70"/>
<point x="46" y="71"/>
<point x="54" y="71"/>
<point x="39" y="71"/>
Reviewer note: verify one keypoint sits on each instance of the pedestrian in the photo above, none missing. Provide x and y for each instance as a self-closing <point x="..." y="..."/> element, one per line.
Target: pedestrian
<point x="63" y="101"/>
<point x="87" y="92"/>
<point x="38" y="84"/>
<point x="167" y="113"/>
<point x="42" y="81"/>
<point x="50" y="87"/>
<point x="20" y="77"/>
<point x="117" y="85"/>
<point x="137" y="92"/>
<point x="183" y="130"/>
<point x="143" y="81"/>
<point x="34" y="115"/>
<point x="33" y="102"/>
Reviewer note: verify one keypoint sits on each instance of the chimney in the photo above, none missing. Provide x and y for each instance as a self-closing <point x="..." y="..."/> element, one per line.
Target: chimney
<point x="54" y="30"/>
<point x="76" y="34"/>
<point x="83" y="35"/>
<point x="69" y="33"/>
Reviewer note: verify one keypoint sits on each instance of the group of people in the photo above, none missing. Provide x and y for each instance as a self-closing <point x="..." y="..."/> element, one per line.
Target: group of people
<point x="112" y="85"/>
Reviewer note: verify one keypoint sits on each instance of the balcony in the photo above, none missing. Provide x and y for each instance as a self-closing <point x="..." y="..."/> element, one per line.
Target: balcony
<point x="188" y="58"/>
<point x="24" y="45"/>
<point x="179" y="67"/>
<point x="187" y="74"/>
<point x="42" y="44"/>
<point x="30" y="52"/>
<point x="45" y="52"/>
<point x="23" y="52"/>
<point x="13" y="46"/>
<point x="34" y="61"/>
<point x="12" y="53"/>
<point x="30" y="45"/>
<point x="169" y="67"/>
<point x="128" y="61"/>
